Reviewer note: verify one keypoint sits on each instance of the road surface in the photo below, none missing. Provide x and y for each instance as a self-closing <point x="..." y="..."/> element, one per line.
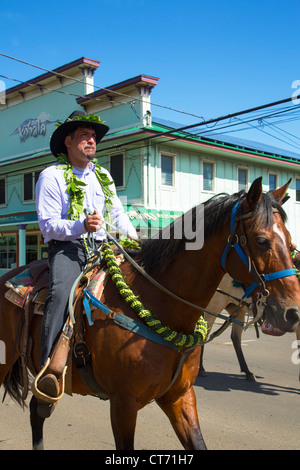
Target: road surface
<point x="234" y="414"/>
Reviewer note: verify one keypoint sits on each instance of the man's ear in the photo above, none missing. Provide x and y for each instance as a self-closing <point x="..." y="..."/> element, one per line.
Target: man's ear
<point x="67" y="141"/>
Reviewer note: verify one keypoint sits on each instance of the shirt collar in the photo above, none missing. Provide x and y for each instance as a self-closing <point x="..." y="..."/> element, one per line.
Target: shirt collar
<point x="84" y="171"/>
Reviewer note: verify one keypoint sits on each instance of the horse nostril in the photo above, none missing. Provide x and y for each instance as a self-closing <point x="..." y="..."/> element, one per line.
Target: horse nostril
<point x="292" y="315"/>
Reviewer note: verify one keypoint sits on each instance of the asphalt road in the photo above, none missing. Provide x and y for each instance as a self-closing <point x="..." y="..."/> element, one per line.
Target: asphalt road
<point x="234" y="414"/>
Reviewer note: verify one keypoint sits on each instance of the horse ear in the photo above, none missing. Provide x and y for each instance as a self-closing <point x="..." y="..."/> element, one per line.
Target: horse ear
<point x="279" y="194"/>
<point x="254" y="194"/>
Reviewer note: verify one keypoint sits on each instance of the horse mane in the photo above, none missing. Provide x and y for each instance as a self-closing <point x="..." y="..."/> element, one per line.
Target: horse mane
<point x="156" y="253"/>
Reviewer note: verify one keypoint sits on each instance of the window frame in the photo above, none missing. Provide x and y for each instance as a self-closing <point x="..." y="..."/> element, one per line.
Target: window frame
<point x="213" y="164"/>
<point x="111" y="155"/>
<point x="247" y="177"/>
<point x="162" y="153"/>
<point x="273" y="173"/>
<point x="13" y="264"/>
<point x="297" y="179"/>
<point x="4" y="204"/>
<point x="33" y="182"/>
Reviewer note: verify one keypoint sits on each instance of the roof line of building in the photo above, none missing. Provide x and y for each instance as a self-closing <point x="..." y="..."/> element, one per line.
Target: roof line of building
<point x="60" y="71"/>
<point x="142" y="79"/>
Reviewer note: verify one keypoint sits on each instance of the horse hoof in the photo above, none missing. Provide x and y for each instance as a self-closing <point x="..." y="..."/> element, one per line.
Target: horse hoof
<point x="250" y="377"/>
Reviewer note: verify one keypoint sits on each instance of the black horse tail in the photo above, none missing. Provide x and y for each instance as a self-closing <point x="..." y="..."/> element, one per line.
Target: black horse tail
<point x="13" y="384"/>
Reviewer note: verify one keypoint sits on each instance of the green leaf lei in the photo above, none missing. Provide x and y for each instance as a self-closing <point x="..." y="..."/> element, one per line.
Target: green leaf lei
<point x="75" y="187"/>
<point x="83" y="117"/>
<point x="180" y="340"/>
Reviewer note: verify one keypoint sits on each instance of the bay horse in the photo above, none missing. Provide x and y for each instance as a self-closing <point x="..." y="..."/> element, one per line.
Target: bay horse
<point x="134" y="370"/>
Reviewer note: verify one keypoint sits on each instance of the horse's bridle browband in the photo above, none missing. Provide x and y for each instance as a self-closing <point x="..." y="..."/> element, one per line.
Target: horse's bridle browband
<point x="242" y="249"/>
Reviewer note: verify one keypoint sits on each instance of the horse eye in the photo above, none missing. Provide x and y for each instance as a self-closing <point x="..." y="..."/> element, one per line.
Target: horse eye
<point x="262" y="241"/>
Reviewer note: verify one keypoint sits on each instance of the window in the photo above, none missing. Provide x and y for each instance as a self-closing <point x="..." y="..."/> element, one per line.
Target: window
<point x="297" y="190"/>
<point x="117" y="168"/>
<point x="29" y="182"/>
<point x="8" y="251"/>
<point x="242" y="179"/>
<point x="272" y="181"/>
<point x="208" y="176"/>
<point x="167" y="170"/>
<point x="2" y="191"/>
<point x="31" y="248"/>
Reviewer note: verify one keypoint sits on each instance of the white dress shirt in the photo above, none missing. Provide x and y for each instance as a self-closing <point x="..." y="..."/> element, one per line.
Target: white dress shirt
<point x="52" y="205"/>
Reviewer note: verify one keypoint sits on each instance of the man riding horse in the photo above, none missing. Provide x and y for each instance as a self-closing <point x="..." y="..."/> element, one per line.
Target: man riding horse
<point x="62" y="192"/>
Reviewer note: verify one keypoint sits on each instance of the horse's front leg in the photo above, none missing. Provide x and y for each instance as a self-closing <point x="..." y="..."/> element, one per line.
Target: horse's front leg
<point x="123" y="415"/>
<point x="183" y="416"/>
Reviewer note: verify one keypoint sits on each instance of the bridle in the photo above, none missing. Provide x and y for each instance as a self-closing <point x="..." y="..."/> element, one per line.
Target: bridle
<point x="239" y="244"/>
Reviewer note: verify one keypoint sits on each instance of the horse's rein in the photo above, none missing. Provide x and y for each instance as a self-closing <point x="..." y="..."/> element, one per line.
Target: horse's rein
<point x="246" y="259"/>
<point x="164" y="289"/>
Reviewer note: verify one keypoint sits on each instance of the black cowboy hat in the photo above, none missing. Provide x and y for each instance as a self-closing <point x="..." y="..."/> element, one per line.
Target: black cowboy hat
<point x="57" y="142"/>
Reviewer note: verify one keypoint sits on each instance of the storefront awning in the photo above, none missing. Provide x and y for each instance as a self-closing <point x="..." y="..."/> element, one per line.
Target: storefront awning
<point x="150" y="218"/>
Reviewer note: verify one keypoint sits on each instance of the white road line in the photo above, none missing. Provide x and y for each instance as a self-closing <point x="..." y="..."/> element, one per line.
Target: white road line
<point x="244" y="341"/>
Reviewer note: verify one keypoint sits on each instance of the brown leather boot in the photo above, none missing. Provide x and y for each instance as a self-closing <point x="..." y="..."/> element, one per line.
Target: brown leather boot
<point x="49" y="384"/>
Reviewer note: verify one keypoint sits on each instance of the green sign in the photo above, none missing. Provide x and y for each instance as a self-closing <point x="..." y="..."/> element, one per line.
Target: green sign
<point x="142" y="217"/>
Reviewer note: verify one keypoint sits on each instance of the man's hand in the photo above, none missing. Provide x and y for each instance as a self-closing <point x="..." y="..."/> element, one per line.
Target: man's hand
<point x="93" y="222"/>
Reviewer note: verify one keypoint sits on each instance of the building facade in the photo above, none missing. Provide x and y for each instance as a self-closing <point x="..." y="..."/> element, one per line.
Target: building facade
<point x="159" y="175"/>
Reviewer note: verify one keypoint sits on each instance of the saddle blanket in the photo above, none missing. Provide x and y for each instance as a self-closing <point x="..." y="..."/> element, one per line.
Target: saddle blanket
<point x="20" y="285"/>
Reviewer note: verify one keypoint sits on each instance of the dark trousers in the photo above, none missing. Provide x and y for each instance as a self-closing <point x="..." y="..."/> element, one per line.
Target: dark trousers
<point x="66" y="260"/>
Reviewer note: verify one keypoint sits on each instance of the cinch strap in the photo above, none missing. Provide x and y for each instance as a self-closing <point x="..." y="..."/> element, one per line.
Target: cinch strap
<point x="123" y="320"/>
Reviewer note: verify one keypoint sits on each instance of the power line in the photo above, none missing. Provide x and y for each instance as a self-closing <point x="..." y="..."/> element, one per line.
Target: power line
<point x="261" y="118"/>
<point x="204" y="123"/>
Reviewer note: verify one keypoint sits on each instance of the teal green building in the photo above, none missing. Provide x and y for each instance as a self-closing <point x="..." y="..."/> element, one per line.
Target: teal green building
<point x="157" y="177"/>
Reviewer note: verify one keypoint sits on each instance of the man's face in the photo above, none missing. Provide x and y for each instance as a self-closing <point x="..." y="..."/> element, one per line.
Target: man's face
<point x="81" y="146"/>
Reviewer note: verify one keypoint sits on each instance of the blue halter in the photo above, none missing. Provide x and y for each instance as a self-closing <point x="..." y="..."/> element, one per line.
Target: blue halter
<point x="262" y="278"/>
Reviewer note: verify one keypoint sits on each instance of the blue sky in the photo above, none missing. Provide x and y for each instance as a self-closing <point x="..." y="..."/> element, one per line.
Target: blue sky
<point x="212" y="57"/>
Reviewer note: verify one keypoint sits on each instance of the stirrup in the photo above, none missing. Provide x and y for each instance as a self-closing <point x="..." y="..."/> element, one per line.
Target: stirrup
<point x="41" y="396"/>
